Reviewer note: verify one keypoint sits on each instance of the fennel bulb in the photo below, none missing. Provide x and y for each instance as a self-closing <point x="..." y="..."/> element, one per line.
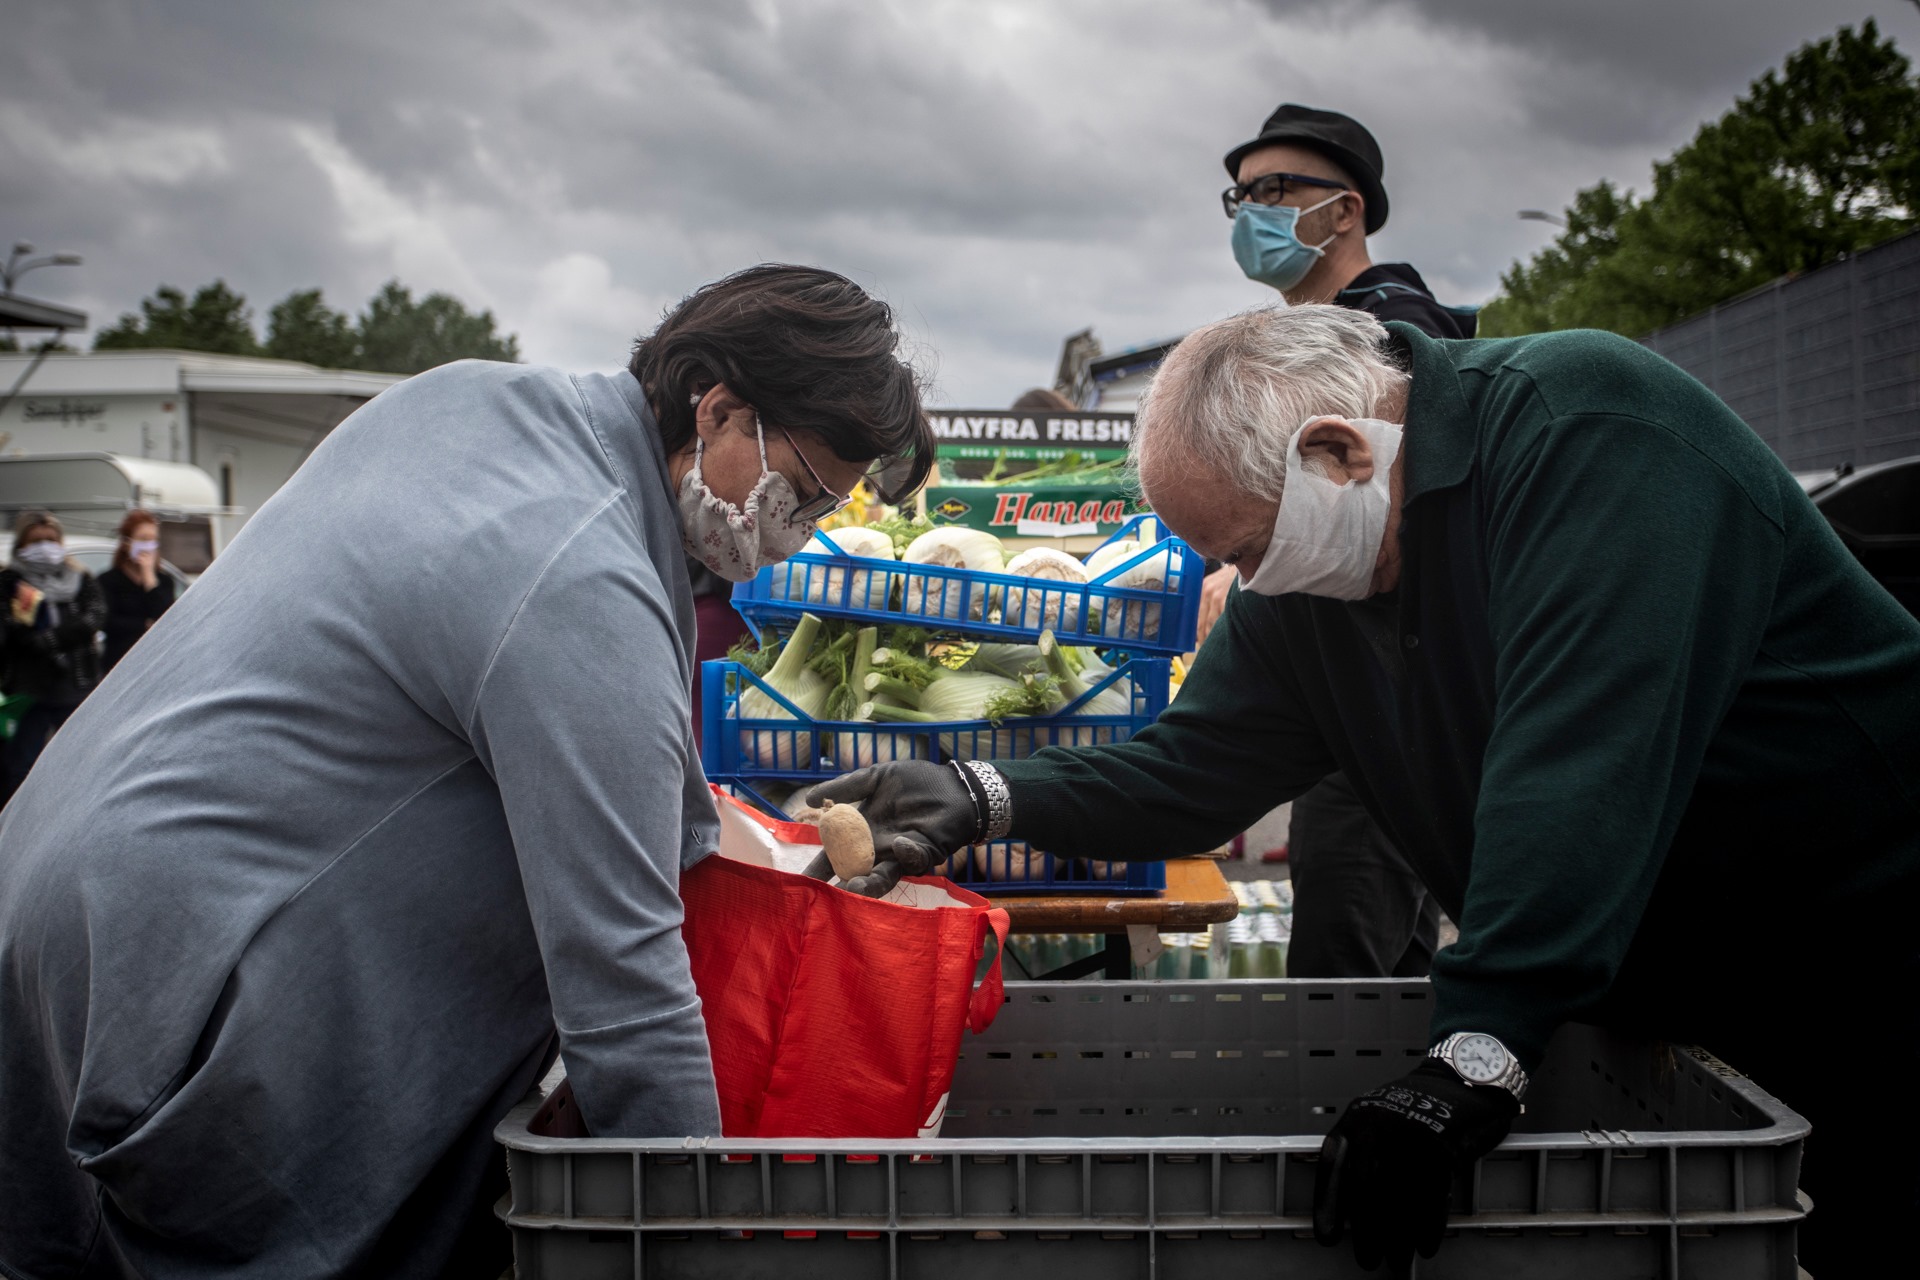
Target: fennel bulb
<point x="1075" y="700"/>
<point x="958" y="867"/>
<point x="787" y="749"/>
<point x="1051" y="601"/>
<point x="830" y="581"/>
<point x="963" y="696"/>
<point x="1009" y="860"/>
<point x="858" y="748"/>
<point x="952" y="547"/>
<point x="1133" y="619"/>
<point x="1009" y="660"/>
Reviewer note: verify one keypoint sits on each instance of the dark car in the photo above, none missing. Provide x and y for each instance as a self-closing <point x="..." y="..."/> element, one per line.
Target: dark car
<point x="1876" y="512"/>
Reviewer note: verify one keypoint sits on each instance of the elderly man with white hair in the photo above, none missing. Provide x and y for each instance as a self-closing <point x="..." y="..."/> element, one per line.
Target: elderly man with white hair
<point x="1641" y="722"/>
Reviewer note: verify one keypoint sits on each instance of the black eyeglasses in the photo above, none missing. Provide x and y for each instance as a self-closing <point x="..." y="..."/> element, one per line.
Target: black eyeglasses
<point x="820" y="505"/>
<point x="1271" y="188"/>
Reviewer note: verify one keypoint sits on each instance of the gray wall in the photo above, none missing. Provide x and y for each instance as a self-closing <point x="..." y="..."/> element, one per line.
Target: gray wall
<point x="1826" y="367"/>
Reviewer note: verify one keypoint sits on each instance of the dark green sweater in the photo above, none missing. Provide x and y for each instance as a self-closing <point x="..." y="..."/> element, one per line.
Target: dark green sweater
<point x="1633" y="712"/>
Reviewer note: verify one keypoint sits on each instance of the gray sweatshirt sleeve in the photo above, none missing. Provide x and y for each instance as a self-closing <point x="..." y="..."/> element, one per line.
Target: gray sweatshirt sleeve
<point x="582" y="720"/>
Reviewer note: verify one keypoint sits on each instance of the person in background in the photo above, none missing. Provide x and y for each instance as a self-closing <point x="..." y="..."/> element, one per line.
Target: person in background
<point x="54" y="612"/>
<point x="136" y="592"/>
<point x="1306" y="195"/>
<point x="1044" y="400"/>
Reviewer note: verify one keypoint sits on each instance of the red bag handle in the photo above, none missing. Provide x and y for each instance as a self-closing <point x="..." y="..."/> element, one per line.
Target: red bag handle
<point x="991" y="993"/>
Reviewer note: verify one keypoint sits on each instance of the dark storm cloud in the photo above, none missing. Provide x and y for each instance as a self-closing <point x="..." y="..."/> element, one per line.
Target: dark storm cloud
<point x="1617" y="72"/>
<point x="1003" y="172"/>
<point x="831" y="112"/>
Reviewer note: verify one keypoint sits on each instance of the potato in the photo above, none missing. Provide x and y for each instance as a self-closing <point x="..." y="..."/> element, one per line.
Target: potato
<point x="847" y="839"/>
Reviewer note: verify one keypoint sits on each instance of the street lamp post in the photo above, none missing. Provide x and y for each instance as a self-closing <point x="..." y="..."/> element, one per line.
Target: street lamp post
<point x="18" y="263"/>
<point x="1541" y="215"/>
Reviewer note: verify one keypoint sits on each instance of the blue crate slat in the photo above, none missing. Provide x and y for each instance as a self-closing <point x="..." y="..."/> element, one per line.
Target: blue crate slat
<point x="832" y="584"/>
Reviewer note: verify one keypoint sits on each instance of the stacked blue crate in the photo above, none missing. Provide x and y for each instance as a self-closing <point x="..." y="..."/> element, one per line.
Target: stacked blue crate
<point x="1138" y="628"/>
<point x="991" y="606"/>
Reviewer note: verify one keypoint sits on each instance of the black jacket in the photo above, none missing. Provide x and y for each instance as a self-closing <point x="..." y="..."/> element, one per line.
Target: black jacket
<point x="56" y="665"/>
<point x="1395" y="291"/>
<point x="131" y="609"/>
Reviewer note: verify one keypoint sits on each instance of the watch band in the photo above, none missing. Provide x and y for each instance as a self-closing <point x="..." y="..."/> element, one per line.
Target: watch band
<point x="1514" y="1079"/>
<point x="999" y="800"/>
<point x="979" y="799"/>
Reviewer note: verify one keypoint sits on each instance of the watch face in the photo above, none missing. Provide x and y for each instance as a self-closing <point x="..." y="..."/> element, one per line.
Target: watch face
<point x="1480" y="1058"/>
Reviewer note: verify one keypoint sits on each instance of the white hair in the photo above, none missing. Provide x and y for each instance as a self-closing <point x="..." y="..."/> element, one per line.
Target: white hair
<point x="1230" y="396"/>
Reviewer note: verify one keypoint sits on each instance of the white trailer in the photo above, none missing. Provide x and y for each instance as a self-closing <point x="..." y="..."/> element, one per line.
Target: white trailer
<point x="92" y="492"/>
<point x="247" y="422"/>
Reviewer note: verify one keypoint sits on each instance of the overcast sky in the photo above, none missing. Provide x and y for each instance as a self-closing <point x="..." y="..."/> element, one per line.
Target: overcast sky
<point x="1002" y="172"/>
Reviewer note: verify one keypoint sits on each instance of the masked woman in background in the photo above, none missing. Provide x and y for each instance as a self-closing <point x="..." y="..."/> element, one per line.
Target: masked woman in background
<point x="53" y="620"/>
<point x="136" y="592"/>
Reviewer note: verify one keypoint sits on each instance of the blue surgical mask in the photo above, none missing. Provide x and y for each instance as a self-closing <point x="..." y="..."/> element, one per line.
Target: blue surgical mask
<point x="1266" y="247"/>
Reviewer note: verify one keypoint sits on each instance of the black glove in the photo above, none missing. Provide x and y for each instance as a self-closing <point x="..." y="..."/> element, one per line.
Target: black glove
<point x="920" y="814"/>
<point x="1386" y="1170"/>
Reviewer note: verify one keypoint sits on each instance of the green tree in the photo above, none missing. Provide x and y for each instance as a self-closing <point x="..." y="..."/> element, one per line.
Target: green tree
<point x="1820" y="159"/>
<point x="302" y="326"/>
<point x="1545" y="293"/>
<point x="400" y="335"/>
<point x="217" y="319"/>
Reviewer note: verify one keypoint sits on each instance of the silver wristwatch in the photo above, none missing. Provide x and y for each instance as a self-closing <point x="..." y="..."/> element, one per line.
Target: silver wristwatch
<point x="997" y="818"/>
<point x="1478" y="1058"/>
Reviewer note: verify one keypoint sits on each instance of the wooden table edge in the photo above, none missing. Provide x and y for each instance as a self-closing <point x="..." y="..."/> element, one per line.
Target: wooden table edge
<point x="1196" y="895"/>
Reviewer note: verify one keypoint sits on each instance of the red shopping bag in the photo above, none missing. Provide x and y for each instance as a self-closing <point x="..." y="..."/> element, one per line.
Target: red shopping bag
<point x="831" y="1015"/>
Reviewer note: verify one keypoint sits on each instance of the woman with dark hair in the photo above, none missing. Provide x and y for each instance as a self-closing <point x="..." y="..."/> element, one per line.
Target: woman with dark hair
<point x="389" y="811"/>
<point x="869" y="410"/>
<point x="137" y="593"/>
<point x="54" y="612"/>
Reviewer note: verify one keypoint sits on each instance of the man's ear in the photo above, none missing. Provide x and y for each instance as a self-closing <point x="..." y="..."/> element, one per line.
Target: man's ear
<point x="1337" y="450"/>
<point x="1352" y="211"/>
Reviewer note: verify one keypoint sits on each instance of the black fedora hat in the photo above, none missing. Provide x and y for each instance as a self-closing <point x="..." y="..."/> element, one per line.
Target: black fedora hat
<point x="1341" y="139"/>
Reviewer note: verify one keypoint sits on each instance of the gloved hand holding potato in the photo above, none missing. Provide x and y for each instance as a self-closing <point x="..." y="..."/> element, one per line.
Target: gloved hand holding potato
<point x="917" y="815"/>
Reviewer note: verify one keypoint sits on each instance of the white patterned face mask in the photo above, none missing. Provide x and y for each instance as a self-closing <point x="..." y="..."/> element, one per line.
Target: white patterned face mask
<point x="1326" y="537"/>
<point x="737" y="542"/>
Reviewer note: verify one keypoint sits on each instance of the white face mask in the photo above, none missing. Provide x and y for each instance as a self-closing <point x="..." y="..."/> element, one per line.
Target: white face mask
<point x="1327" y="536"/>
<point x="737" y="543"/>
<point x="143" y="547"/>
<point x="45" y="553"/>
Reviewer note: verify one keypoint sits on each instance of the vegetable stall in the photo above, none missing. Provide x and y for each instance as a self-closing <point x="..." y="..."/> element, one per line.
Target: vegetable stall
<point x="904" y="639"/>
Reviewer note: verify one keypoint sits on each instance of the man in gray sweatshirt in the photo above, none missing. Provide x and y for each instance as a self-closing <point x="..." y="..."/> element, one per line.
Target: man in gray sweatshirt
<point x="393" y="805"/>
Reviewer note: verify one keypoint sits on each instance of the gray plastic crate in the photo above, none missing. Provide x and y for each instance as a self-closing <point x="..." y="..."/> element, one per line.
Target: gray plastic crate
<point x="1168" y="1131"/>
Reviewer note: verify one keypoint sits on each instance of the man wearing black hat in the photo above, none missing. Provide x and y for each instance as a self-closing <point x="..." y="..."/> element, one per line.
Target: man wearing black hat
<point x="1306" y="196"/>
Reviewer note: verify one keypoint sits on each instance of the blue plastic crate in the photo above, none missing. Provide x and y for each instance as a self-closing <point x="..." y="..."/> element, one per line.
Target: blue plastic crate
<point x="989" y="868"/>
<point x="803" y="749"/>
<point x="738" y="751"/>
<point x="996" y="605"/>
